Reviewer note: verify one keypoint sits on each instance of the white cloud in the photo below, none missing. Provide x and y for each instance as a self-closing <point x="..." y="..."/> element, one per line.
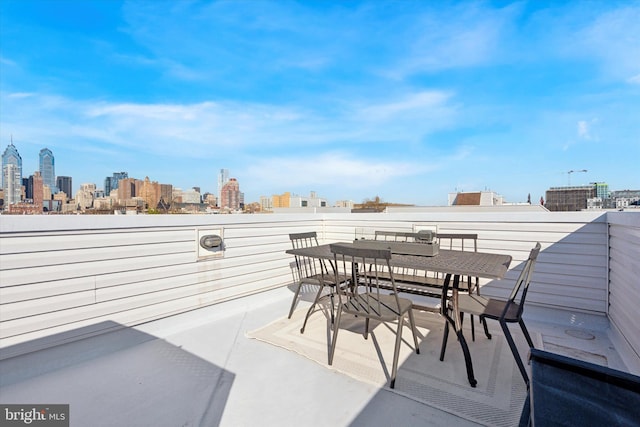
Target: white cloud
<point x="332" y="169"/>
<point x="583" y="130"/>
<point x="412" y="105"/>
<point x="6" y="61"/>
<point x="220" y="128"/>
<point x="20" y="95"/>
<point x="614" y="38"/>
<point x="464" y="36"/>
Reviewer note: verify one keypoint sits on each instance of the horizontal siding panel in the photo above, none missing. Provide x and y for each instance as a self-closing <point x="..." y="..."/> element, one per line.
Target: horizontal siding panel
<point x="628" y="268"/>
<point x="65" y="332"/>
<point x="117" y="310"/>
<point x="44" y="289"/>
<point x="624" y="235"/>
<point x="14" y="277"/>
<point x="205" y="281"/>
<point x="597" y="271"/>
<point x="572" y="302"/>
<point x="56" y="258"/>
<point x="57" y="303"/>
<point x="62" y="242"/>
<point x="559" y="281"/>
<point x="576" y="239"/>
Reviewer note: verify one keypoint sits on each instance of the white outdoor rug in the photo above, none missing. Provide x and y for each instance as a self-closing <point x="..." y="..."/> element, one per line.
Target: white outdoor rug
<point x="497" y="400"/>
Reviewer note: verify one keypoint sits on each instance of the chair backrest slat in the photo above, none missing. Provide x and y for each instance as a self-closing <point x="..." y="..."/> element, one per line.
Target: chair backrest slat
<point x="365" y="267"/>
<point x="458" y="238"/>
<point x="523" y="281"/>
<point x="307" y="266"/>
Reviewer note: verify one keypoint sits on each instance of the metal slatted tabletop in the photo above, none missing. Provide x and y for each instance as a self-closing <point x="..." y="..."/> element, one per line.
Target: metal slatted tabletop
<point x="480" y="264"/>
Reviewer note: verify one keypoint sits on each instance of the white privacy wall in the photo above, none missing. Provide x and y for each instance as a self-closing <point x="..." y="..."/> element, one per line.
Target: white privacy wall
<point x="624" y="264"/>
<point x="65" y="277"/>
<point x="571" y="272"/>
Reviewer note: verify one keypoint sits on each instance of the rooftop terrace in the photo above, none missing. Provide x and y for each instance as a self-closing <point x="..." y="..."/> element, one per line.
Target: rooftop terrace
<point x="129" y="322"/>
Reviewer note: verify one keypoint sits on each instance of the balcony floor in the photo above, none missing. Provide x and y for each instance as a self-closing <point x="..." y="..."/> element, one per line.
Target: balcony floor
<point x="200" y="369"/>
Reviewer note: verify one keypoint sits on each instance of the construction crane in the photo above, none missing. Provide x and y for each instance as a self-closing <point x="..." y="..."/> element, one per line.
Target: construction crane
<point x="573" y="171"/>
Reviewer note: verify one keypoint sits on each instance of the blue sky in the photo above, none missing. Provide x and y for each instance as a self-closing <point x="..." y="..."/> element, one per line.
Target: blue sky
<point x="405" y="100"/>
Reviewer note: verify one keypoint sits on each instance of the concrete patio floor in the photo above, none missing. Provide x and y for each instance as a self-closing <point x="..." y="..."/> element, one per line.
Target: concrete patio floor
<point x="200" y="369"/>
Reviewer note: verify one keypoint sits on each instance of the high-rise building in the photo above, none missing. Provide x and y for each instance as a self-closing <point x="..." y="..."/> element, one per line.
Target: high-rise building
<point x="64" y="183"/>
<point x="84" y="196"/>
<point x="127" y="188"/>
<point x="150" y="193"/>
<point x="11" y="175"/>
<point x="223" y="177"/>
<point x="27" y="183"/>
<point x="111" y="182"/>
<point x="166" y="193"/>
<point x="231" y="197"/>
<point x="48" y="169"/>
<point x="38" y="190"/>
<point x="602" y="190"/>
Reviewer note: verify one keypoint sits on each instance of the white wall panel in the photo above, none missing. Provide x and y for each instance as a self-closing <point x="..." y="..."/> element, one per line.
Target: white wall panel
<point x="624" y="285"/>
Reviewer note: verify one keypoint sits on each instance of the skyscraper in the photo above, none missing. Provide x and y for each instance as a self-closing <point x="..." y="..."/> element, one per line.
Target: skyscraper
<point x="111" y="182"/>
<point x="48" y="169"/>
<point x="11" y="175"/>
<point x="231" y="197"/>
<point x="38" y="191"/>
<point x="64" y="183"/>
<point x="223" y="177"/>
<point x="27" y="183"/>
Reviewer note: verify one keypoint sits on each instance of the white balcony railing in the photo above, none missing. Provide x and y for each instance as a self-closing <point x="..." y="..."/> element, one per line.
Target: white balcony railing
<point x="61" y="276"/>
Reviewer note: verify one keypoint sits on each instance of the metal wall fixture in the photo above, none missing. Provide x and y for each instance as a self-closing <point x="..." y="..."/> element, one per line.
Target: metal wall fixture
<point x="211" y="241"/>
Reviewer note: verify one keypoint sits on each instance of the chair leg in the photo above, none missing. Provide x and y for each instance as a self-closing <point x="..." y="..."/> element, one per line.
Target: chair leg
<point x="412" y="322"/>
<point x="526" y="332"/>
<point x="486" y="328"/>
<point x="396" y="352"/>
<point x="516" y="354"/>
<point x="336" y="327"/>
<point x="445" y="337"/>
<point x="315" y="301"/>
<point x="333" y="309"/>
<point x="366" y="328"/>
<point x="295" y="299"/>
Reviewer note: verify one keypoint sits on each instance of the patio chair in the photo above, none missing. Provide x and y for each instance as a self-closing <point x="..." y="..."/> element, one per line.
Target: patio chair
<point x="509" y="311"/>
<point x="311" y="271"/>
<point x="363" y="297"/>
<point x="571" y="392"/>
<point x="458" y="241"/>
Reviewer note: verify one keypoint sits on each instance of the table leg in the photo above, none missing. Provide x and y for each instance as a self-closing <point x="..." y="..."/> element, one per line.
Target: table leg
<point x="457" y="324"/>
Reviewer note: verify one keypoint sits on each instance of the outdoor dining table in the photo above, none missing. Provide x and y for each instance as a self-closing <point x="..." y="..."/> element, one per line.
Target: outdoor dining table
<point x="453" y="264"/>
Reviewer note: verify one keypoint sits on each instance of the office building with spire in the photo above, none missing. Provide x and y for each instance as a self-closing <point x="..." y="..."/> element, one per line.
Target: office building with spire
<point x="11" y="175"/>
<point x="223" y="178"/>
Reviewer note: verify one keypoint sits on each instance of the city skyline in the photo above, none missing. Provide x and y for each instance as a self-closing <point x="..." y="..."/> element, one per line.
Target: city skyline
<point x="405" y="101"/>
